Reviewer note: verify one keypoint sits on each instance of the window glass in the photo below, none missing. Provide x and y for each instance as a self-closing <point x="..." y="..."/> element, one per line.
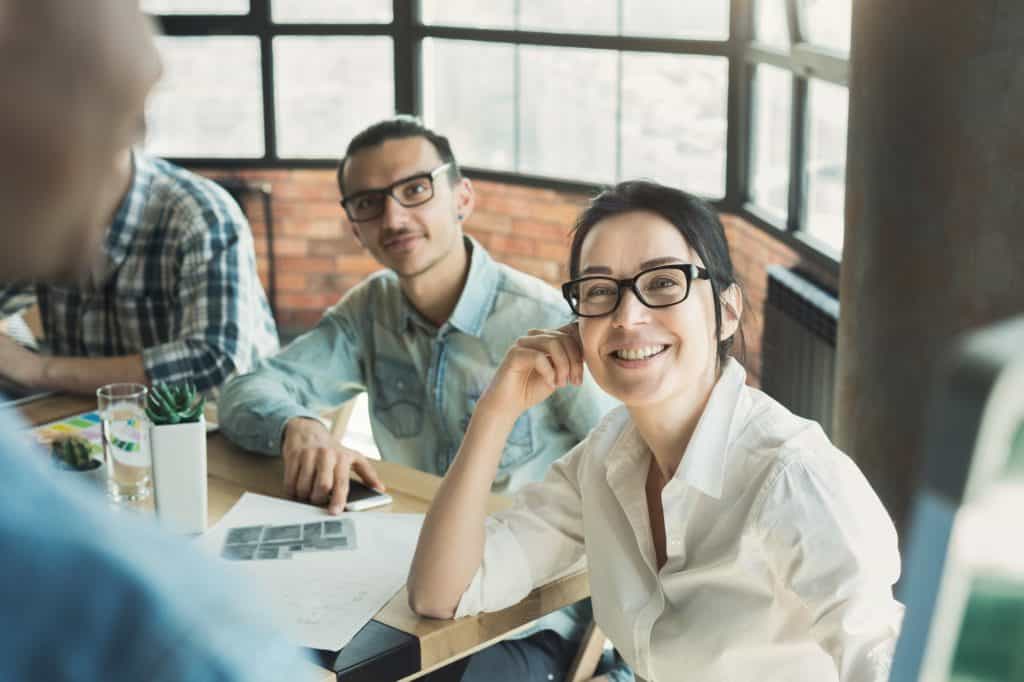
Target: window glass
<point x="697" y="19"/>
<point x="195" y="6"/>
<point x="827" y="23"/>
<point x="772" y="121"/>
<point x="209" y="102"/>
<point x="474" y="13"/>
<point x="469" y="96"/>
<point x="567" y="113"/>
<point x="331" y="11"/>
<point x="771" y="26"/>
<point x="826" y="161"/>
<point x="674" y="120"/>
<point x="569" y="16"/>
<point x="328" y="89"/>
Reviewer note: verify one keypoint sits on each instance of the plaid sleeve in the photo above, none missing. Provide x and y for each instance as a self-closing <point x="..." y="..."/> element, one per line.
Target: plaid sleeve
<point x="222" y="313"/>
<point x="16" y="297"/>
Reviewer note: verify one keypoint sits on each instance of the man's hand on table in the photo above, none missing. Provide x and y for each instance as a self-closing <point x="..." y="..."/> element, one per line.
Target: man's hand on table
<point x="18" y="364"/>
<point x="317" y="467"/>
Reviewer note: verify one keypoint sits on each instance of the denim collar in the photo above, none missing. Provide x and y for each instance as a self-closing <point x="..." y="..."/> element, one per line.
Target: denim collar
<point x="475" y="301"/>
<point x="129" y="213"/>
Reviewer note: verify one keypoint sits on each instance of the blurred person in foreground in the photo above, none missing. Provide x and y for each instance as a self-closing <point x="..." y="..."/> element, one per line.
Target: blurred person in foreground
<point x="87" y="593"/>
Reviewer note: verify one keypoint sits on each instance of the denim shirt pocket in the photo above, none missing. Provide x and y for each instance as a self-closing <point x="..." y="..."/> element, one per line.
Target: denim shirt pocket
<point x="399" y="399"/>
<point x="519" y="446"/>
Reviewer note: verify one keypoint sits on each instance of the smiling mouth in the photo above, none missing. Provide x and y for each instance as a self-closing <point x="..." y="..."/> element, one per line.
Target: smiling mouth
<point x="401" y="243"/>
<point x="643" y="353"/>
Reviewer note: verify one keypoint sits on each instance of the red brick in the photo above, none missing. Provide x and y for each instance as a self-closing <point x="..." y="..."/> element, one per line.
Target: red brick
<point x="307" y="300"/>
<point x="323" y="228"/>
<point x="489" y="222"/>
<point x="360" y="265"/>
<point x="557" y="253"/>
<point x="539" y="229"/>
<point x="291" y="281"/>
<point x="305" y="264"/>
<point x="502" y="244"/>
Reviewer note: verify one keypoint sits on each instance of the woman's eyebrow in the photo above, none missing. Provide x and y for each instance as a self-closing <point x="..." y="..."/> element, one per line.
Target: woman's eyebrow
<point x="665" y="260"/>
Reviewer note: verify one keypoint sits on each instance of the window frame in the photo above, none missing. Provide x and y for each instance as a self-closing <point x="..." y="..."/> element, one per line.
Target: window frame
<point x="407" y="32"/>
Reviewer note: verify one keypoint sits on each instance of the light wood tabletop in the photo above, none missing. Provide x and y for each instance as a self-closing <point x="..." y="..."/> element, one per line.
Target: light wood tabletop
<point x="423" y="644"/>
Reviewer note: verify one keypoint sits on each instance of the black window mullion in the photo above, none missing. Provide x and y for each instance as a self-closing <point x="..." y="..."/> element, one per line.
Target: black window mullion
<point x="798" y="156"/>
<point x="407" y="55"/>
<point x="260" y="12"/>
<point x="738" y="119"/>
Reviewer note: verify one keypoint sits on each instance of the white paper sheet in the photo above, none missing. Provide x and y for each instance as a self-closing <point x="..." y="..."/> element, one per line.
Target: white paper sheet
<point x="323" y="598"/>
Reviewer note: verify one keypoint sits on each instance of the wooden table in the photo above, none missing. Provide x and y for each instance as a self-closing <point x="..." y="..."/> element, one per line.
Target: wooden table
<point x="397" y="644"/>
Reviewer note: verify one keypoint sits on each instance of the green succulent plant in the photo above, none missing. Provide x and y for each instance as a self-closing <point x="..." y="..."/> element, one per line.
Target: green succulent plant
<point x="174" y="404"/>
<point x="74" y="452"/>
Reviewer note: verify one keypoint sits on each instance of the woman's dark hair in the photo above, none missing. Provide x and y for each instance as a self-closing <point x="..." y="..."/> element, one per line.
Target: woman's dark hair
<point x="696" y="221"/>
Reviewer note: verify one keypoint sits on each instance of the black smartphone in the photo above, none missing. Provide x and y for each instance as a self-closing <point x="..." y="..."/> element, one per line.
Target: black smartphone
<point x="362" y="497"/>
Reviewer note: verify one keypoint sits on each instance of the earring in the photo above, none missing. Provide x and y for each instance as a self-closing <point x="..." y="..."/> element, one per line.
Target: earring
<point x="459" y="216"/>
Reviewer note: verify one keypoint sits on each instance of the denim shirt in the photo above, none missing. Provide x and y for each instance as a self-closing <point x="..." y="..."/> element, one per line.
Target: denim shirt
<point x="422" y="381"/>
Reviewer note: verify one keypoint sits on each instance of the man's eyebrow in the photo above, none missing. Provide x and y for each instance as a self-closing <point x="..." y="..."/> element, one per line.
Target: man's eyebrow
<point x="596" y="270"/>
<point x="390" y="185"/>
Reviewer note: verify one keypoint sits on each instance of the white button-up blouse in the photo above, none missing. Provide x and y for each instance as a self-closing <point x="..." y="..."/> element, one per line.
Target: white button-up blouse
<point x="780" y="557"/>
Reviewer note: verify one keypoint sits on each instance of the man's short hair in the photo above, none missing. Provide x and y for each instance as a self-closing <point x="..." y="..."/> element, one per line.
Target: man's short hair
<point x="396" y="128"/>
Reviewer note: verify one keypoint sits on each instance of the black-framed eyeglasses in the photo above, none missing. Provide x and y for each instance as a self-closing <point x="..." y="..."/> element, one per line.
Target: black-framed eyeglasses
<point x="660" y="287"/>
<point x="412" y="191"/>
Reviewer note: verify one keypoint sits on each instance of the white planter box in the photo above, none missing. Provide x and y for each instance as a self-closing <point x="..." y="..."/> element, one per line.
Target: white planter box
<point x="179" y="475"/>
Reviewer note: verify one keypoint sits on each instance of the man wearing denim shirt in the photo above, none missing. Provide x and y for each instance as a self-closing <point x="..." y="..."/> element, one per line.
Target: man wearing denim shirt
<point x="422" y="339"/>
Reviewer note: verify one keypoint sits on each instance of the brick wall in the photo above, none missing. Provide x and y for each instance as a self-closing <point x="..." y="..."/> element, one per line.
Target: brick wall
<point x="318" y="259"/>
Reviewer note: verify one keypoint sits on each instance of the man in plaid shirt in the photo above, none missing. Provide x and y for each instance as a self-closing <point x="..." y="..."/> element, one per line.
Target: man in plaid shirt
<point x="174" y="297"/>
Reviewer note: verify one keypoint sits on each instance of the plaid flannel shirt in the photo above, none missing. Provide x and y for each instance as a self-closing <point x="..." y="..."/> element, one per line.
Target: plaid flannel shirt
<point x="177" y="284"/>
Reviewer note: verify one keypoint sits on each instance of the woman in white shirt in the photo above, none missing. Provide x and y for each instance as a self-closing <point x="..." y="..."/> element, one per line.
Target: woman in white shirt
<point x="725" y="537"/>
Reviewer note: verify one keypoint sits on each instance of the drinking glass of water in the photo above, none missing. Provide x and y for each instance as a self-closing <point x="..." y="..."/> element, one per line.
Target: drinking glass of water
<point x="129" y="467"/>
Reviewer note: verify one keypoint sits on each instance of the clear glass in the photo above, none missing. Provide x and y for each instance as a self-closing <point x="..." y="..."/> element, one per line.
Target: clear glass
<point x="209" y="102"/>
<point x="328" y="89"/>
<point x="331" y="11"/>
<point x="567" y="113"/>
<point x="195" y="6"/>
<point x="475" y="107"/>
<point x="772" y="118"/>
<point x="475" y="13"/>
<point x="674" y="120"/>
<point x="770" y="23"/>
<point x="122" y="409"/>
<point x="569" y="16"/>
<point x="827" y="23"/>
<point x="697" y="19"/>
<point x="826" y="162"/>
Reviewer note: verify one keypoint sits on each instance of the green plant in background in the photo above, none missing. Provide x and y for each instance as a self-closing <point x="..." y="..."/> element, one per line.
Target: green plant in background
<point x="174" y="404"/>
<point x="74" y="452"/>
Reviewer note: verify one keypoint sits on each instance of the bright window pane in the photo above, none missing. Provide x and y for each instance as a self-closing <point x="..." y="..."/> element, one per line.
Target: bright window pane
<point x="474" y="107"/>
<point x="331" y="11"/>
<point x="700" y="19"/>
<point x="477" y="13"/>
<point x="674" y="120"/>
<point x="770" y="23"/>
<point x="328" y="89"/>
<point x="826" y="162"/>
<point x="569" y="16"/>
<point x="209" y="102"/>
<point x="827" y="23"/>
<point x="773" y="105"/>
<point x="567" y="113"/>
<point x="195" y="6"/>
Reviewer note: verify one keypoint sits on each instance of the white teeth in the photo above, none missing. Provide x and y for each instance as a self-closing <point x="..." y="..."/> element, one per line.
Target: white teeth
<point x="639" y="353"/>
